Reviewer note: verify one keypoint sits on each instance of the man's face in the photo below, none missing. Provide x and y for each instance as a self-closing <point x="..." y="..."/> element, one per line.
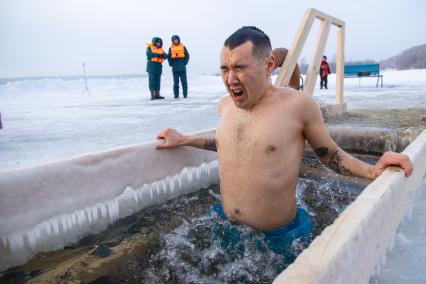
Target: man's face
<point x="175" y="42"/>
<point x="245" y="76"/>
<point x="157" y="43"/>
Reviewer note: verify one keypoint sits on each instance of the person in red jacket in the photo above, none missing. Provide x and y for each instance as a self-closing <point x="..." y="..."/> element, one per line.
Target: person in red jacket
<point x="324" y="71"/>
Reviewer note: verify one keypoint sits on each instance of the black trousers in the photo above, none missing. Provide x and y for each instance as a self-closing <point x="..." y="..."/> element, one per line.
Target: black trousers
<point x="154" y="81"/>
<point x="323" y="81"/>
<point x="182" y="76"/>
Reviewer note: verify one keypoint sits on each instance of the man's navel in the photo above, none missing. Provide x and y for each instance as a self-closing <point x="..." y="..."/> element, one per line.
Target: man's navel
<point x="270" y="149"/>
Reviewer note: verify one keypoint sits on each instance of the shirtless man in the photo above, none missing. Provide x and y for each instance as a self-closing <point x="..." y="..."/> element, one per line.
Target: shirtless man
<point x="261" y="135"/>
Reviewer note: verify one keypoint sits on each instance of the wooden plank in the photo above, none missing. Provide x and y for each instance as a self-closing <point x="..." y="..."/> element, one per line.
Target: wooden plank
<point x="323" y="16"/>
<point x="340" y="63"/>
<point x="313" y="69"/>
<point x="295" y="50"/>
<point x="298" y="43"/>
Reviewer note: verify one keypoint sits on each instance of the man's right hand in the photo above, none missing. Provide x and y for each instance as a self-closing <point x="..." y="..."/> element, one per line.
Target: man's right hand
<point x="171" y="139"/>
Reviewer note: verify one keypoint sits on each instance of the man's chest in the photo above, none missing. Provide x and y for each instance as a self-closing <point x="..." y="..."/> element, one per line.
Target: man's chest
<point x="263" y="134"/>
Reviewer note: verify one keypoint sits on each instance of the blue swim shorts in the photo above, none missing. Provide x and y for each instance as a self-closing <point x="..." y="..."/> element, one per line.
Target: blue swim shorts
<point x="287" y="240"/>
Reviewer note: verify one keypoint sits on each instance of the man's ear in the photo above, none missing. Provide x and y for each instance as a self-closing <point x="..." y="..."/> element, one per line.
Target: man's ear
<point x="270" y="64"/>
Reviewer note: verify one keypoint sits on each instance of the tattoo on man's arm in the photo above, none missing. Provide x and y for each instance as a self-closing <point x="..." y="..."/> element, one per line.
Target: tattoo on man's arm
<point x="335" y="163"/>
<point x="321" y="151"/>
<point x="210" y="144"/>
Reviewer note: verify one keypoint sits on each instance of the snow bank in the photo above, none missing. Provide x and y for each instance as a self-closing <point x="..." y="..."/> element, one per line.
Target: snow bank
<point x="49" y="206"/>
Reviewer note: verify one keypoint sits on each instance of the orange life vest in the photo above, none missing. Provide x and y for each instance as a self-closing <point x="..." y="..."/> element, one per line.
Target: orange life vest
<point x="177" y="51"/>
<point x="155" y="49"/>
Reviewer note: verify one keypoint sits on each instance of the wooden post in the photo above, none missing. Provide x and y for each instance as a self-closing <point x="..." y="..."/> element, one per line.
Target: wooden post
<point x="313" y="70"/>
<point x="296" y="48"/>
<point x="340" y="63"/>
<point x="298" y="43"/>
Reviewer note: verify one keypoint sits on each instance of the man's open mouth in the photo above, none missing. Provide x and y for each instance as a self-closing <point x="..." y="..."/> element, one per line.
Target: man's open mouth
<point x="237" y="93"/>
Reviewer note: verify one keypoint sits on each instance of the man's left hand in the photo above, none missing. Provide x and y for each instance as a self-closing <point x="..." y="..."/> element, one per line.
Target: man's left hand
<point x="393" y="159"/>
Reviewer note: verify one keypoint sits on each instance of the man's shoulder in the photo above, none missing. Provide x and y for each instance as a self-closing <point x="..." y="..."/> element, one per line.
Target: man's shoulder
<point x="224" y="102"/>
<point x="290" y="94"/>
<point x="294" y="99"/>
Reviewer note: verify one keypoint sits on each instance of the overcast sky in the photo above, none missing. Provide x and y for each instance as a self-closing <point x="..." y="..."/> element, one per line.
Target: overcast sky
<point x="54" y="37"/>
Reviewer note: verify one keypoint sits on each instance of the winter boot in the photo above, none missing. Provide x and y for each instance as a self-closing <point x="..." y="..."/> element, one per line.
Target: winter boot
<point x="152" y="95"/>
<point x="157" y="95"/>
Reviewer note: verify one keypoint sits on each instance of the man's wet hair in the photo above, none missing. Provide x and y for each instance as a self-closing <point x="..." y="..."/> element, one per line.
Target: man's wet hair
<point x="261" y="43"/>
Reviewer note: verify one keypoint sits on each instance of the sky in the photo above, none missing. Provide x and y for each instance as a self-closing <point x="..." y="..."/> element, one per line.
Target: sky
<point x="54" y="37"/>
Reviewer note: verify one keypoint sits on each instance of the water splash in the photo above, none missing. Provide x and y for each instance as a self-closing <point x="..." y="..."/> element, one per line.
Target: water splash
<point x="193" y="253"/>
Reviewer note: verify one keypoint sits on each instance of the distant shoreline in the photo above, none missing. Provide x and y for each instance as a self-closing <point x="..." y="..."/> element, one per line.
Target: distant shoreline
<point x="69" y="78"/>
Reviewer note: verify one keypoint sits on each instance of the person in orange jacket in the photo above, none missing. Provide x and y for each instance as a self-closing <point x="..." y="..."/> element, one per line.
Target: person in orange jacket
<point x="178" y="58"/>
<point x="155" y="56"/>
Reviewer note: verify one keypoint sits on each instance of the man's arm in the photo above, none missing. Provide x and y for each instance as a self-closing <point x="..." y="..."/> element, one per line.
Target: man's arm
<point x="186" y="55"/>
<point x="148" y="54"/>
<point x="169" y="58"/>
<point x="336" y="158"/>
<point x="174" y="139"/>
<point x="280" y="54"/>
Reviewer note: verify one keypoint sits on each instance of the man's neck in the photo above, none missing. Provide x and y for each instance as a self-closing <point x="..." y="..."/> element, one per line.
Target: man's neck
<point x="266" y="93"/>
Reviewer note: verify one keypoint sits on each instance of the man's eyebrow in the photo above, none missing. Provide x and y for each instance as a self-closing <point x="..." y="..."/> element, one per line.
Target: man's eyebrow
<point x="234" y="65"/>
<point x="239" y="65"/>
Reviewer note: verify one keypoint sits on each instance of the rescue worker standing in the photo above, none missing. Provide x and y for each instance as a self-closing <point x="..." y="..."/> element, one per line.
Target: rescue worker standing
<point x="155" y="56"/>
<point x="178" y="58"/>
<point x="324" y="70"/>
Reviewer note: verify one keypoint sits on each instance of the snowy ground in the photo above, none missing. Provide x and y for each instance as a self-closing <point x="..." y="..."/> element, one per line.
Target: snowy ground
<point x="51" y="119"/>
<point x="401" y="89"/>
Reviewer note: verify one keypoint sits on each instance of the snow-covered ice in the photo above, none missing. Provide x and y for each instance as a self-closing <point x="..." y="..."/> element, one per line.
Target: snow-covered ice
<point x="51" y="119"/>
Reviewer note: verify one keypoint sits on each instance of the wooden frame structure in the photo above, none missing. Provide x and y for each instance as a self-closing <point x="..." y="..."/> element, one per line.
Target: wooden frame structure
<point x="298" y="43"/>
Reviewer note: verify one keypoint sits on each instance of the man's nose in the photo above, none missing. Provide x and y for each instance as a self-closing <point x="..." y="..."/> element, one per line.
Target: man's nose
<point x="232" y="77"/>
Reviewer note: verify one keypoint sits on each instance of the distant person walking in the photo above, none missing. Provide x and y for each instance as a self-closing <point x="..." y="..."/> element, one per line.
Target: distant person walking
<point x="324" y="71"/>
<point x="155" y="56"/>
<point x="178" y="58"/>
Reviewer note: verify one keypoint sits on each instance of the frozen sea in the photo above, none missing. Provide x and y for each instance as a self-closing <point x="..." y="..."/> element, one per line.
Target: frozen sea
<point x="48" y="119"/>
<point x="52" y="118"/>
